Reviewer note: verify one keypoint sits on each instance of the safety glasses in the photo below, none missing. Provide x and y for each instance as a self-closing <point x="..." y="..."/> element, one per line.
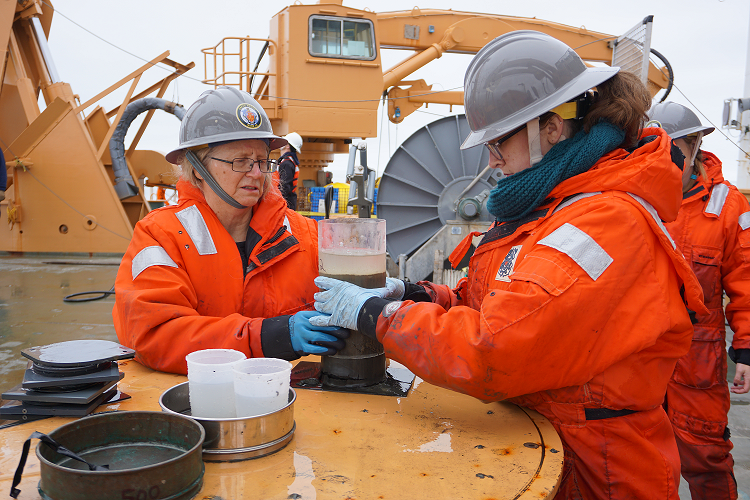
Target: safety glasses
<point x="245" y="165"/>
<point x="494" y="147"/>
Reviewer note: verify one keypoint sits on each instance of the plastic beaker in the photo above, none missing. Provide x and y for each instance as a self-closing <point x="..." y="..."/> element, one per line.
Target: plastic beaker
<point x="211" y="382"/>
<point x="261" y="385"/>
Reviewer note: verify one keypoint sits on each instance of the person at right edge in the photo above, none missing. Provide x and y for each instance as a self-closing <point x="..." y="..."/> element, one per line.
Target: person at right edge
<point x="576" y="302"/>
<point x="712" y="231"/>
<point x="289" y="169"/>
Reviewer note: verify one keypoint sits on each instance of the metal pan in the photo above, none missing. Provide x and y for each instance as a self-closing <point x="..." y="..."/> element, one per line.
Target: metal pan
<point x="234" y="439"/>
<point x="151" y="455"/>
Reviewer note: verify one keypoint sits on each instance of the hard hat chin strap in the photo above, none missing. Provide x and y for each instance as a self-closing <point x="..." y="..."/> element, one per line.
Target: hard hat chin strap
<point x="535" y="141"/>
<point x="197" y="165"/>
<point x="696" y="148"/>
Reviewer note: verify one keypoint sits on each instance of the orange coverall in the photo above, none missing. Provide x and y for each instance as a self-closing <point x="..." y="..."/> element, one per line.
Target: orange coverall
<point x="575" y="311"/>
<point x="180" y="286"/>
<point x="712" y="232"/>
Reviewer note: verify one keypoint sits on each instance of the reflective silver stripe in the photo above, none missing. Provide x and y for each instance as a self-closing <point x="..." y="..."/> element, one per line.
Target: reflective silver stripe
<point x="580" y="247"/>
<point x="287" y="225"/>
<point x="718" y="197"/>
<point x="651" y="210"/>
<point x="193" y="222"/>
<point x="151" y="256"/>
<point x="574" y="199"/>
<point x="744" y="220"/>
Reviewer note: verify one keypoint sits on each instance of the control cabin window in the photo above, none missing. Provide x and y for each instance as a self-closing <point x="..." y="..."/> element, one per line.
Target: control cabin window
<point x="341" y="37"/>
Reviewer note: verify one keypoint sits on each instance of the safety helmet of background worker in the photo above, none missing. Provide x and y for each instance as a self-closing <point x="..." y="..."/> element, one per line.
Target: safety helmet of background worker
<point x="295" y="141"/>
<point x="518" y="77"/>
<point x="678" y="122"/>
<point x="222" y="115"/>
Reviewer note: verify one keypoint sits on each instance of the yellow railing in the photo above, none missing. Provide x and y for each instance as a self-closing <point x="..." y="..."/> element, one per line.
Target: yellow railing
<point x="229" y="63"/>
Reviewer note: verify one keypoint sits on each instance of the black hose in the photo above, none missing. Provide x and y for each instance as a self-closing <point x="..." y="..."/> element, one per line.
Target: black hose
<point x="257" y="63"/>
<point x="671" y="73"/>
<point x="69" y="298"/>
<point x="328" y="200"/>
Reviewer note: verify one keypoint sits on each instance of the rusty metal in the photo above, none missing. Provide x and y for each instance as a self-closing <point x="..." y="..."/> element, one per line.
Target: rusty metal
<point x="148" y="453"/>
<point x="234" y="439"/>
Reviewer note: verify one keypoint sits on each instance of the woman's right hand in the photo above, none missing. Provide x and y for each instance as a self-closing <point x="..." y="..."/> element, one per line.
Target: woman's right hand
<point x="311" y="339"/>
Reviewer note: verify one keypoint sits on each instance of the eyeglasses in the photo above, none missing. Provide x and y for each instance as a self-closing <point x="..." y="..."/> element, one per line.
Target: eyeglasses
<point x="245" y="165"/>
<point x="494" y="147"/>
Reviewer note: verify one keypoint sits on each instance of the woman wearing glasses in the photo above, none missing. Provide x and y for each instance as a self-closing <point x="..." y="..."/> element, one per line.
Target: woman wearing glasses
<point x="712" y="230"/>
<point x="229" y="266"/>
<point x="574" y="305"/>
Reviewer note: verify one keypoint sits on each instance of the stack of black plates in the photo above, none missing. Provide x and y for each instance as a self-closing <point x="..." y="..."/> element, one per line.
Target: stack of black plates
<point x="66" y="379"/>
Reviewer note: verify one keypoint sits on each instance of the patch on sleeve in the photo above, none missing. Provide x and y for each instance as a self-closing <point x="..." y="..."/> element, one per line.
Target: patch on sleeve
<point x="580" y="247"/>
<point x="151" y="256"/>
<point x="744" y="220"/>
<point x="509" y="263"/>
<point x="391" y="308"/>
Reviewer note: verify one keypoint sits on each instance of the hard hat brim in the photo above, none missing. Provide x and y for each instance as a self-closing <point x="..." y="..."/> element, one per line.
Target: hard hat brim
<point x="274" y="142"/>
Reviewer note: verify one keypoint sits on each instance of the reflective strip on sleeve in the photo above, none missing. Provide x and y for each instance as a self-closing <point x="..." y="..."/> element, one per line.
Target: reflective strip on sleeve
<point x="193" y="222"/>
<point x="718" y="197"/>
<point x="744" y="220"/>
<point x="574" y="199"/>
<point x="652" y="211"/>
<point x="151" y="256"/>
<point x="580" y="247"/>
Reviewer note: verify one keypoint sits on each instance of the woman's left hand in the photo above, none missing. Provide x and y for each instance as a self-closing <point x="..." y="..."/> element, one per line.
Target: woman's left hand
<point x="741" y="379"/>
<point x="311" y="339"/>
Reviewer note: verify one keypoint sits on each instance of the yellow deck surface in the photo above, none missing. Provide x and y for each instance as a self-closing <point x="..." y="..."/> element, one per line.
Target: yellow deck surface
<point x="433" y="444"/>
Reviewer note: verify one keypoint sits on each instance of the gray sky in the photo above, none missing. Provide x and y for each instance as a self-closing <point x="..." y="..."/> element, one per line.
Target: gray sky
<point x="704" y="40"/>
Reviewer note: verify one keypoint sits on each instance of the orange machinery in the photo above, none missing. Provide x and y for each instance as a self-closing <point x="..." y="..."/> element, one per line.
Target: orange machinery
<point x="323" y="80"/>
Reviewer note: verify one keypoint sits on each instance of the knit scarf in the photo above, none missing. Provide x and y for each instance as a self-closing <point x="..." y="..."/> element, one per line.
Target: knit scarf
<point x="519" y="194"/>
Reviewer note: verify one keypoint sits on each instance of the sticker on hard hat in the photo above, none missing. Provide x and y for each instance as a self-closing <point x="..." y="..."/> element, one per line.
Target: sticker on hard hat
<point x="249" y="116"/>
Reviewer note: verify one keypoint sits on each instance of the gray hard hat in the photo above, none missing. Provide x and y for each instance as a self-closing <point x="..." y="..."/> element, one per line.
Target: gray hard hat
<point x="519" y="76"/>
<point x="223" y="115"/>
<point x="676" y="120"/>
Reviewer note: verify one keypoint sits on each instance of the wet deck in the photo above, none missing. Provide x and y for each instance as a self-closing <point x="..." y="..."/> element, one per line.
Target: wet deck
<point x="32" y="312"/>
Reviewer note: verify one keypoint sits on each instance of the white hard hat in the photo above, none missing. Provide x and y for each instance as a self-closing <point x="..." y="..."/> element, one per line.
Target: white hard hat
<point x="295" y="140"/>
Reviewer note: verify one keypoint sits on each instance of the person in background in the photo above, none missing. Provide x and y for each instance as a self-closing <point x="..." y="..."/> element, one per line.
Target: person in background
<point x="289" y="169"/>
<point x="229" y="266"/>
<point x="574" y="305"/>
<point x="712" y="233"/>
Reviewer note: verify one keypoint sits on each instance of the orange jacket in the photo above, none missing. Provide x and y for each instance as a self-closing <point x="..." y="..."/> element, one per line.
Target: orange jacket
<point x="712" y="232"/>
<point x="529" y="305"/>
<point x="576" y="307"/>
<point x="180" y="286"/>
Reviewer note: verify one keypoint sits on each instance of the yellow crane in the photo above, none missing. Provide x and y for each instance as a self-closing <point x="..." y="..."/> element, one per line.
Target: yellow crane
<point x="68" y="193"/>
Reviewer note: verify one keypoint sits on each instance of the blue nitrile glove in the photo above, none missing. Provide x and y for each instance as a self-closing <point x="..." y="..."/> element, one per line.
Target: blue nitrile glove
<point x="311" y="339"/>
<point x="342" y="301"/>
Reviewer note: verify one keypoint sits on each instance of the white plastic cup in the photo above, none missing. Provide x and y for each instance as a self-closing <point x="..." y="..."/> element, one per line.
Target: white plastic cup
<point x="211" y="382"/>
<point x="261" y="385"/>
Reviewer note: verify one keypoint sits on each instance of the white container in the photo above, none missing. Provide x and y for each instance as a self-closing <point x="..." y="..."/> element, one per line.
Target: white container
<point x="211" y="382"/>
<point x="261" y="385"/>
